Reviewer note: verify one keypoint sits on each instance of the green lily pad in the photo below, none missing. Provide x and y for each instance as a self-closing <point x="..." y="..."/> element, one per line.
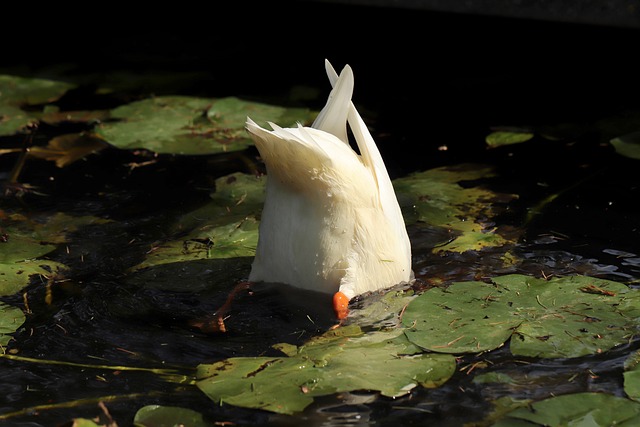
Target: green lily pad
<point x="435" y="197"/>
<point x="18" y="262"/>
<point x="580" y="409"/>
<point x="18" y="91"/>
<point x="161" y="416"/>
<point x="13" y="120"/>
<point x="11" y="318"/>
<point x="226" y="227"/>
<point x="500" y="138"/>
<point x="190" y="125"/>
<point x="83" y="422"/>
<point x="632" y="376"/>
<point x="561" y="317"/>
<point x="28" y="241"/>
<point x="628" y="145"/>
<point x="329" y="364"/>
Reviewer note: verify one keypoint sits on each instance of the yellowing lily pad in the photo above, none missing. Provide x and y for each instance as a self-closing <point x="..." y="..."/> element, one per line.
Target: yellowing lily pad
<point x="561" y="317"/>
<point x="66" y="149"/>
<point x="435" y="197"/>
<point x="339" y="361"/>
<point x="190" y="125"/>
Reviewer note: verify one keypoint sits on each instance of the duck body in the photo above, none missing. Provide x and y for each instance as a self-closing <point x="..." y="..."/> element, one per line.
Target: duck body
<point x="331" y="221"/>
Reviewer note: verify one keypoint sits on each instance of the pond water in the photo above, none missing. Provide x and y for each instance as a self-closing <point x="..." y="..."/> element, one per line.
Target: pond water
<point x="432" y="86"/>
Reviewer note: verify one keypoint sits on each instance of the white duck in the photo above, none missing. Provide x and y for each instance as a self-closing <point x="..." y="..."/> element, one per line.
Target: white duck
<point x="331" y="220"/>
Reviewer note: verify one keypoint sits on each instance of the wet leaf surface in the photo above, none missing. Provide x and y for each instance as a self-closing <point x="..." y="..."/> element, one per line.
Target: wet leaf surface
<point x="158" y="416"/>
<point x="339" y="361"/>
<point x="437" y="198"/>
<point x="190" y="125"/>
<point x="592" y="409"/>
<point x="560" y="317"/>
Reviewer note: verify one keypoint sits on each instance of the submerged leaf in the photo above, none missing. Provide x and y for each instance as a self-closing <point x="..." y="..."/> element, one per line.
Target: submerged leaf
<point x="560" y="317"/>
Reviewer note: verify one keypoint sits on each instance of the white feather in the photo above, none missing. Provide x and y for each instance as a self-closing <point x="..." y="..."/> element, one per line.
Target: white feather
<point x="331" y="220"/>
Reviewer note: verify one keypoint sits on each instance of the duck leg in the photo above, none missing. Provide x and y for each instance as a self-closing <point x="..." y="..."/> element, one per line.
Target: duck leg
<point x="215" y="323"/>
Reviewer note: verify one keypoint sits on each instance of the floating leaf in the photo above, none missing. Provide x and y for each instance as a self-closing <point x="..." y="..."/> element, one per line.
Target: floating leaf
<point x="16" y="90"/>
<point x="632" y="376"/>
<point x="435" y="197"/>
<point x="54" y="116"/>
<point x="11" y="318"/>
<point x="561" y="317"/>
<point x="579" y="409"/>
<point x="500" y="138"/>
<point x="20" y="91"/>
<point x="628" y="145"/>
<point x="83" y="422"/>
<point x="13" y="120"/>
<point x="27" y="241"/>
<point x="329" y="364"/>
<point x="18" y="264"/>
<point x="160" y="416"/>
<point x="189" y="125"/>
<point x="226" y="227"/>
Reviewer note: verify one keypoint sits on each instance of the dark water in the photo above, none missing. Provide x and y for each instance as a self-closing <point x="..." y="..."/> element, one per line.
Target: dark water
<point x="423" y="81"/>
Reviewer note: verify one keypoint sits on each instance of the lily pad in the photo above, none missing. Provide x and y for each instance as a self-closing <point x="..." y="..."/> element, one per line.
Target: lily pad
<point x="579" y="409"/>
<point x="160" y="416"/>
<point x="561" y="317"/>
<point x="18" y="262"/>
<point x="632" y="376"/>
<point x="11" y="318"/>
<point x="13" y="120"/>
<point x="226" y="227"/>
<point x="18" y="91"/>
<point x="500" y="138"/>
<point x="190" y="125"/>
<point x="28" y="241"/>
<point x="329" y="364"/>
<point x="628" y="145"/>
<point x="436" y="198"/>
